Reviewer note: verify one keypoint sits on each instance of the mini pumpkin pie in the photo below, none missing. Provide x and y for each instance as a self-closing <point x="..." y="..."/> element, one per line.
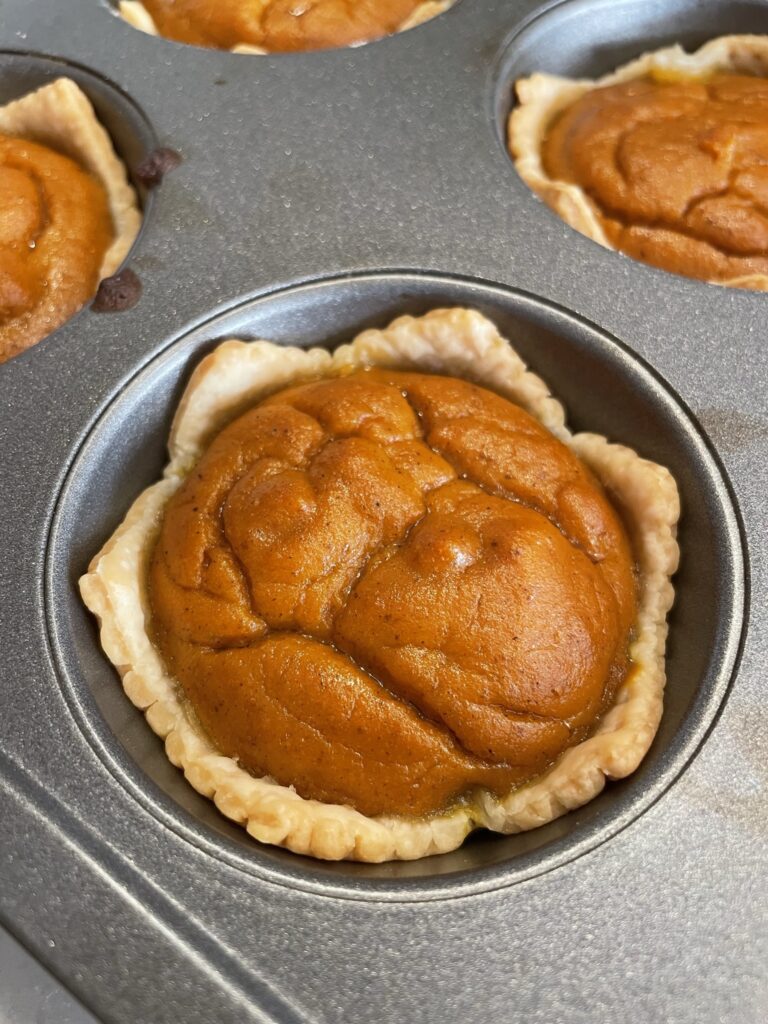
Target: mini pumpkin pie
<point x="665" y="159"/>
<point x="272" y="26"/>
<point x="67" y="213"/>
<point x="384" y="596"/>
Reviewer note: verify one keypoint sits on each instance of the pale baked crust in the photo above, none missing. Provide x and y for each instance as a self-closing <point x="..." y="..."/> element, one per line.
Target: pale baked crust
<point x="136" y="14"/>
<point x="61" y="117"/>
<point x="456" y="342"/>
<point x="542" y="97"/>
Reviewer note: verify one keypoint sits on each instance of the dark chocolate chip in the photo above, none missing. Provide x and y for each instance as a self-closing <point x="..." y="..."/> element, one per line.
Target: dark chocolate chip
<point x="117" y="293"/>
<point x="155" y="165"/>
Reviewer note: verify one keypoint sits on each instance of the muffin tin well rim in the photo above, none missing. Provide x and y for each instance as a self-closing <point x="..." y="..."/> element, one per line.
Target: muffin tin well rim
<point x="696" y="725"/>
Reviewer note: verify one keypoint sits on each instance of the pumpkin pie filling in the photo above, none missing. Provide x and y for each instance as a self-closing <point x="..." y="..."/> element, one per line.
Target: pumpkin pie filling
<point x="55" y="228"/>
<point x="390" y="589"/>
<point x="675" y="167"/>
<point x="279" y="25"/>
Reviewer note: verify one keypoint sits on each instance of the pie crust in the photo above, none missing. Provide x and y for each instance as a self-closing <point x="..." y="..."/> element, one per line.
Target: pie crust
<point x="136" y="14"/>
<point x="455" y="342"/>
<point x="542" y="97"/>
<point x="61" y="117"/>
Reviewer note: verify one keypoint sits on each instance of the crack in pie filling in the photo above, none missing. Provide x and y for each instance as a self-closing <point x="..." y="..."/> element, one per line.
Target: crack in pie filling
<point x="67" y="213"/>
<point x="383" y="596"/>
<point x="665" y="159"/>
<point x="278" y="26"/>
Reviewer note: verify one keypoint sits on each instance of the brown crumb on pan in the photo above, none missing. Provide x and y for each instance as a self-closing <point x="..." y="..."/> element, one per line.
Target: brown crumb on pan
<point x="117" y="293"/>
<point x="155" y="165"/>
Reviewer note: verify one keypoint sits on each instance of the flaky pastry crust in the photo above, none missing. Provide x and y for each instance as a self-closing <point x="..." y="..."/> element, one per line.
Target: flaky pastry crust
<point x="136" y="14"/>
<point x="454" y="342"/>
<point x="541" y="97"/>
<point x="61" y="117"/>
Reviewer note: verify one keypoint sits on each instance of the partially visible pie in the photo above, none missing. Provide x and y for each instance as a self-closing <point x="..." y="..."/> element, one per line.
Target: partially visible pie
<point x="383" y="596"/>
<point x="67" y="213"/>
<point x="274" y="26"/>
<point x="665" y="159"/>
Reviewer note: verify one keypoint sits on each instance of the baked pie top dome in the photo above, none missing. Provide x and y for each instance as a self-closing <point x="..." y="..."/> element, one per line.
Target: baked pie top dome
<point x="387" y="589"/>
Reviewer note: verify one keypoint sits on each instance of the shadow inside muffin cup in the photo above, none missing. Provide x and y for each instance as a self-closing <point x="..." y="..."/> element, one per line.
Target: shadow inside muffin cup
<point x="605" y="388"/>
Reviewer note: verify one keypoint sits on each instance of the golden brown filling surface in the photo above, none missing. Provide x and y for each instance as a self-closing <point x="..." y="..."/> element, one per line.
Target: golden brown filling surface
<point x="279" y="25"/>
<point x="388" y="588"/>
<point x="678" y="170"/>
<point x="55" y="228"/>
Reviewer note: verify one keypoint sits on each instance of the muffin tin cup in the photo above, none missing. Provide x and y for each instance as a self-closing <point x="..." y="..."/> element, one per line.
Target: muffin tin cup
<point x="125" y="450"/>
<point x="321" y="193"/>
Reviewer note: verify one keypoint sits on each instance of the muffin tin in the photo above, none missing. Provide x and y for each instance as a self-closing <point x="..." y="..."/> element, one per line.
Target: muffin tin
<point x="321" y="193"/>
